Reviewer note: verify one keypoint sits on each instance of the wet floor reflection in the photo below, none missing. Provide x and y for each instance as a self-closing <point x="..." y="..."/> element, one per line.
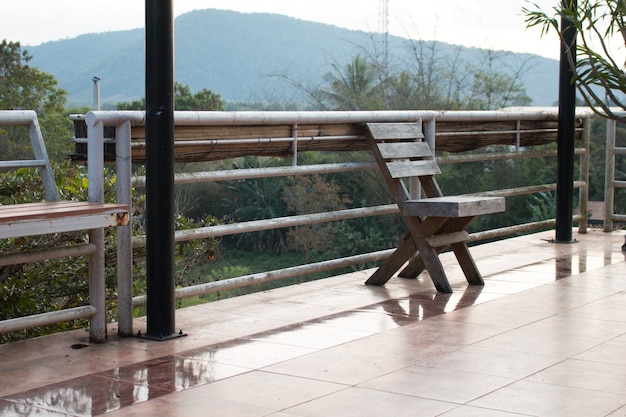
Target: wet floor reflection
<point x="171" y="373"/>
<point x="103" y="392"/>
<point x="120" y="387"/>
<point x="567" y="265"/>
<point x="580" y="262"/>
<point x="422" y="306"/>
<point x="87" y="396"/>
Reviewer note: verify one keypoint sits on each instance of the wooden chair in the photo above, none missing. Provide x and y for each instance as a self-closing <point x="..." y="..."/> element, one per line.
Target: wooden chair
<point x="434" y="222"/>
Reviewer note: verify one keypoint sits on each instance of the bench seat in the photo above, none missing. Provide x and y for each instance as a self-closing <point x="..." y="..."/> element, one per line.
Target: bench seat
<point x="31" y="219"/>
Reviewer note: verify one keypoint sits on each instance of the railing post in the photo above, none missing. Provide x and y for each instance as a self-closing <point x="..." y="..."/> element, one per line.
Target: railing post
<point x="124" y="233"/>
<point x="97" y="290"/>
<point x="583" y="192"/>
<point x="609" y="177"/>
<point x="294" y="134"/>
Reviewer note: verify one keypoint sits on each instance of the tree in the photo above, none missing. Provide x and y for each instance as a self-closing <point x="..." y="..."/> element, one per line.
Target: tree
<point x="306" y="195"/>
<point x="353" y="87"/>
<point x="601" y="27"/>
<point x="439" y="77"/>
<point x="25" y="87"/>
<point x="491" y="88"/>
<point x="184" y="99"/>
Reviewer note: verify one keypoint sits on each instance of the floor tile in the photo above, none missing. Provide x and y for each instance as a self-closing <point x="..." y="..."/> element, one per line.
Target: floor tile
<point x="266" y="390"/>
<point x="463" y="296"/>
<point x="359" y="361"/>
<point x="620" y="412"/>
<point x="188" y="404"/>
<point x="545" y="336"/>
<point x="359" y="402"/>
<point x="156" y="349"/>
<point x="313" y="336"/>
<point x="233" y="325"/>
<point x="35" y="348"/>
<point x="537" y="399"/>
<point x="612" y="352"/>
<point x="246" y="353"/>
<point x="22" y="376"/>
<point x="371" y="319"/>
<point x="444" y="384"/>
<point x="495" y="315"/>
<point x="449" y="332"/>
<point x="578" y="326"/>
<point x="588" y="375"/>
<point x="523" y="340"/>
<point x="468" y="411"/>
<point x="600" y="310"/>
<point x="495" y="362"/>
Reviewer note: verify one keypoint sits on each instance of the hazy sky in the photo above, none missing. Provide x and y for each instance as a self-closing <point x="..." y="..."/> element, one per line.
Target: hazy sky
<point x="496" y="24"/>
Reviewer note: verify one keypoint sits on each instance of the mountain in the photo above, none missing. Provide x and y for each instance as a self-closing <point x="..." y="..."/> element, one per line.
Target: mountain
<point x="239" y="56"/>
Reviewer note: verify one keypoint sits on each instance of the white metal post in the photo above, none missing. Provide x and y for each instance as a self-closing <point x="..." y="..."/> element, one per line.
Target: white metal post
<point x="583" y="191"/>
<point x="124" y="233"/>
<point x="609" y="176"/>
<point x="97" y="289"/>
<point x="294" y="134"/>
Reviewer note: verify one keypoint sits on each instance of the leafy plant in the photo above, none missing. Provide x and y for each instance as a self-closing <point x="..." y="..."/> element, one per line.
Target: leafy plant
<point x="595" y="57"/>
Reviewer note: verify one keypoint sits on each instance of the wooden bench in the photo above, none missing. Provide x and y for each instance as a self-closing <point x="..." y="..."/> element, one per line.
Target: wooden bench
<point x="435" y="222"/>
<point x="53" y="216"/>
<point x="20" y="220"/>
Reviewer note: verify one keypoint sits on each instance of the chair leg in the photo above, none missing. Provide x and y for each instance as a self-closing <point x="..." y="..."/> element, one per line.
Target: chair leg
<point x="437" y="274"/>
<point x="466" y="261"/>
<point x="431" y="260"/>
<point x="413" y="269"/>
<point x="429" y="227"/>
<point x="393" y="263"/>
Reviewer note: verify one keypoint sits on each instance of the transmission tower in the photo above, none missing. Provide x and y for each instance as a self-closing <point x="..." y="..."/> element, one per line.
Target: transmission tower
<point x="383" y="29"/>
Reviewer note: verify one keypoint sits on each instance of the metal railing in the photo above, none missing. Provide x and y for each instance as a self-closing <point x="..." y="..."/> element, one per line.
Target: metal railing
<point x="95" y="311"/>
<point x="229" y="134"/>
<point x="611" y="185"/>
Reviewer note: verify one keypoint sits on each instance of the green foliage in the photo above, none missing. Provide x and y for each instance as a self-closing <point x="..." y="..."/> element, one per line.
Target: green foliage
<point x="184" y="99"/>
<point x="311" y="194"/>
<point x="597" y="59"/>
<point x="542" y="206"/>
<point x="25" y="87"/>
<point x="432" y="81"/>
<point x="353" y="87"/>
<point x="257" y="199"/>
<point x="49" y="285"/>
<point x="493" y="88"/>
<point x="597" y="164"/>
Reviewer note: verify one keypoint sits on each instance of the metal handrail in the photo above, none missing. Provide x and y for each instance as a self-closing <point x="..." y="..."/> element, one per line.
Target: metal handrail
<point x="428" y="119"/>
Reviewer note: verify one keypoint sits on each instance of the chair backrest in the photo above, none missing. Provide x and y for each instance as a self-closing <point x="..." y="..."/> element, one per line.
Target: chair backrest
<point x="401" y="153"/>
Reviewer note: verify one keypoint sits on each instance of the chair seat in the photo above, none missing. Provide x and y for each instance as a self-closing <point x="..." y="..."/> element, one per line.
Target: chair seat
<point x="453" y="206"/>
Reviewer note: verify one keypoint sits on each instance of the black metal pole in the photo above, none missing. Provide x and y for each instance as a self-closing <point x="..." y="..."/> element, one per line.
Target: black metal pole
<point x="566" y="128"/>
<point x="160" y="169"/>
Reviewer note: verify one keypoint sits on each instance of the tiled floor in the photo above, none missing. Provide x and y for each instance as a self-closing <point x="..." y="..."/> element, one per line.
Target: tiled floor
<point x="546" y="336"/>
